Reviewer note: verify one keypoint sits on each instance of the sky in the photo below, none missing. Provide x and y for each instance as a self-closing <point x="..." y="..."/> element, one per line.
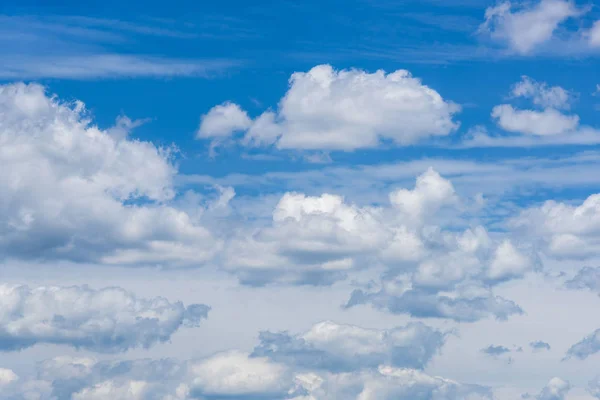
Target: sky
<point x="278" y="200"/>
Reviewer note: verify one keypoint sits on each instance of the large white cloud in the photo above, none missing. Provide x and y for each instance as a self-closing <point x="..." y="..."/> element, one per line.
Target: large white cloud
<point x="343" y="348"/>
<point x="69" y="190"/>
<point x="327" y="109"/>
<point x="106" y="320"/>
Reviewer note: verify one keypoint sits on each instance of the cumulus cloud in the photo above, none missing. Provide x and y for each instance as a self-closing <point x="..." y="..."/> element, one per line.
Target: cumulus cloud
<point x="72" y="191"/>
<point x="556" y="389"/>
<point x="106" y="320"/>
<point x="542" y="94"/>
<point x="545" y="124"/>
<point x="229" y="375"/>
<point x="346" y="348"/>
<point x="528" y="26"/>
<point x="565" y="230"/>
<point x="318" y="240"/>
<point x="532" y="122"/>
<point x="222" y="121"/>
<point x="235" y="375"/>
<point x="328" y="109"/>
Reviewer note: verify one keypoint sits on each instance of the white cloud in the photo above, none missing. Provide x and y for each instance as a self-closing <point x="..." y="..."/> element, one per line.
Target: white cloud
<point x="326" y="109"/>
<point x="7" y="376"/>
<point x="343" y="348"/>
<point x="231" y="374"/>
<point x="529" y="26"/>
<point x="531" y="122"/>
<point x="223" y="120"/>
<point x="594" y="35"/>
<point x="236" y="375"/>
<point x="565" y="230"/>
<point x="130" y="390"/>
<point x="69" y="190"/>
<point x="556" y="389"/>
<point x="541" y="94"/>
<point x="106" y="320"/>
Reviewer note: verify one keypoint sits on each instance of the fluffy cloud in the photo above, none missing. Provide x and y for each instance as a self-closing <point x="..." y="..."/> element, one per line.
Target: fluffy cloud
<point x="326" y="109"/>
<point x="532" y="122"/>
<point x="106" y="320"/>
<point x="227" y="376"/>
<point x="389" y="383"/>
<point x="556" y="389"/>
<point x="565" y="230"/>
<point x="69" y="190"/>
<point x="235" y="375"/>
<point x="223" y="121"/>
<point x="541" y="94"/>
<point x="317" y="240"/>
<point x="345" y="348"/>
<point x="527" y="27"/>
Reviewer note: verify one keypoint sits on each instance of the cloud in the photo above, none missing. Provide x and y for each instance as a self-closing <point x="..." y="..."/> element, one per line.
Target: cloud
<point x="345" y="348"/>
<point x="107" y="320"/>
<point x="226" y="376"/>
<point x="103" y="66"/>
<point x="235" y="375"/>
<point x="544" y="125"/>
<point x="541" y="94"/>
<point x="529" y="26"/>
<point x="495" y="350"/>
<point x="72" y="191"/>
<point x="222" y="121"/>
<point x="556" y="389"/>
<point x="564" y="230"/>
<point x="318" y="240"/>
<point x="587" y="278"/>
<point x="462" y="305"/>
<point x="594" y="387"/>
<point x="531" y="122"/>
<point x="585" y="348"/>
<point x="539" y="346"/>
<point x="74" y="47"/>
<point x="327" y="109"/>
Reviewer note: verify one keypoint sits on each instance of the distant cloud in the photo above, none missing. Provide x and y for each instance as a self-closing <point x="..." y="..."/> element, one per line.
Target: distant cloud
<point x="495" y="350"/>
<point x="586" y="347"/>
<point x="107" y="320"/>
<point x="540" y="27"/>
<point x="539" y="346"/>
<point x="340" y="348"/>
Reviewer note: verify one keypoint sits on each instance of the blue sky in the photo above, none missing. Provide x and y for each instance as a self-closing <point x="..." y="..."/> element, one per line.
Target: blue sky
<point x="366" y="199"/>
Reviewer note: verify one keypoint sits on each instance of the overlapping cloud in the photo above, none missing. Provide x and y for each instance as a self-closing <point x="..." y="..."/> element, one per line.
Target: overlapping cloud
<point x="547" y="123"/>
<point x="298" y="374"/>
<point x="107" y="320"/>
